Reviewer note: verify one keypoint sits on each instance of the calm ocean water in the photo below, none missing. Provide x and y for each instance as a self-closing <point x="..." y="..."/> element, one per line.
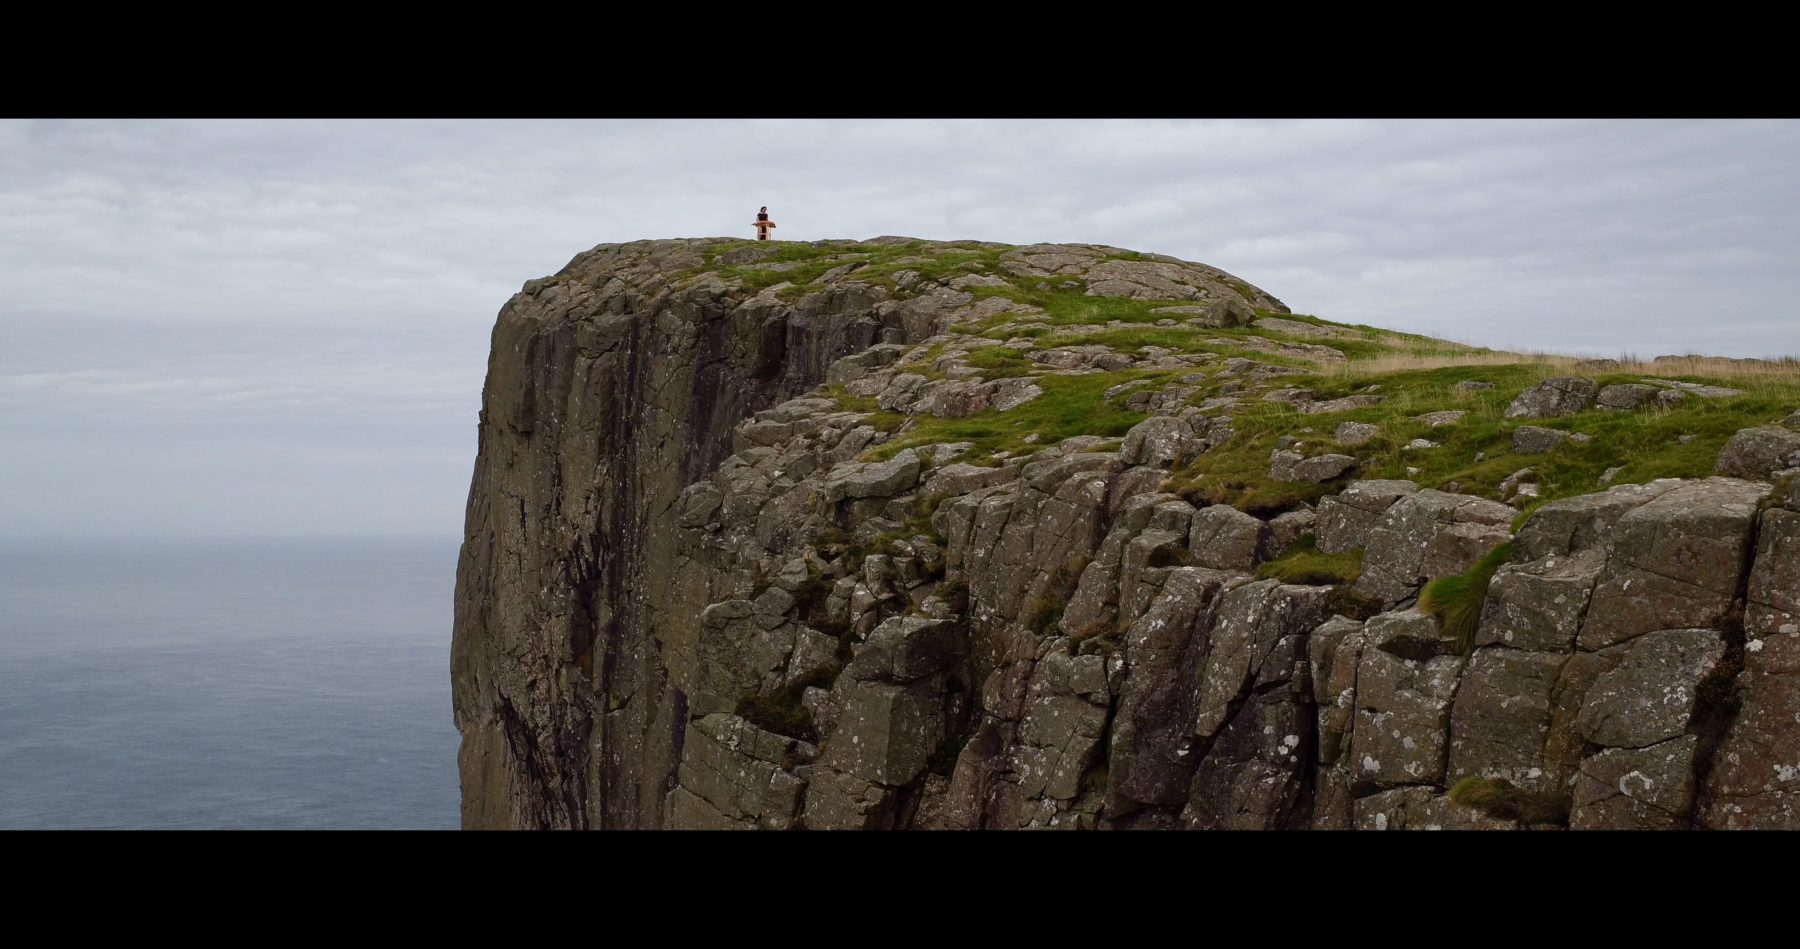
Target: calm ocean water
<point x="290" y="683"/>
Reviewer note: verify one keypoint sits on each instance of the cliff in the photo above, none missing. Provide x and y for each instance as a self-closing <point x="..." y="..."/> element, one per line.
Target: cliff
<point x="961" y="535"/>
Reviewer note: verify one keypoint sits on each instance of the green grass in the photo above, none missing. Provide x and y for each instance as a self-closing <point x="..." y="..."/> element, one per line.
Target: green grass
<point x="1456" y="601"/>
<point x="1043" y="613"/>
<point x="942" y="263"/>
<point x="1474" y="455"/>
<point x="999" y="362"/>
<point x="850" y="403"/>
<point x="813" y="260"/>
<point x="1070" y="406"/>
<point x="879" y="262"/>
<point x="1177" y="338"/>
<point x="782" y="713"/>
<point x="1304" y="564"/>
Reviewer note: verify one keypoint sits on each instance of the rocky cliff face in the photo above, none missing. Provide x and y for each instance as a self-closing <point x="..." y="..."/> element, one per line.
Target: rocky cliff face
<point x="901" y="534"/>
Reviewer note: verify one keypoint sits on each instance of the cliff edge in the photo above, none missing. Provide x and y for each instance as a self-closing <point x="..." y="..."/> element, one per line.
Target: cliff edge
<point x="900" y="533"/>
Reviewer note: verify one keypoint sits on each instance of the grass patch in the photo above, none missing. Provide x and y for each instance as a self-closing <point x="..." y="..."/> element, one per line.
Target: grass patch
<point x="1070" y="406"/>
<point x="1499" y="798"/>
<point x="1042" y="613"/>
<point x="848" y="402"/>
<point x="1414" y="374"/>
<point x="1304" y="564"/>
<point x="999" y="362"/>
<point x="1474" y="455"/>
<point x="940" y="263"/>
<point x="1456" y="601"/>
<point x="782" y="713"/>
<point x="1237" y="472"/>
<point x="1177" y="338"/>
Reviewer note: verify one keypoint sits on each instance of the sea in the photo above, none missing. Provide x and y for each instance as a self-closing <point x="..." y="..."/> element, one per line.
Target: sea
<point x="269" y="683"/>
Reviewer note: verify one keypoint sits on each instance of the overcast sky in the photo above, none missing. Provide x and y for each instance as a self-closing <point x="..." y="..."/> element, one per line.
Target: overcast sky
<point x="281" y="327"/>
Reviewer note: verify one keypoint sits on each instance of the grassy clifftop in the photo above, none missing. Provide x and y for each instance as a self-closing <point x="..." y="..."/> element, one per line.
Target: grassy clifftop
<point x="1086" y="325"/>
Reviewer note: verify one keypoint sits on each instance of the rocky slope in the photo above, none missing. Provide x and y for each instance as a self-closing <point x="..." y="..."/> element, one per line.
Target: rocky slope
<point x="908" y="534"/>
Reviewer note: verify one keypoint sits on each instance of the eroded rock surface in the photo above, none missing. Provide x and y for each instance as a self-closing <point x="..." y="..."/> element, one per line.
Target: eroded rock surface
<point x="697" y="592"/>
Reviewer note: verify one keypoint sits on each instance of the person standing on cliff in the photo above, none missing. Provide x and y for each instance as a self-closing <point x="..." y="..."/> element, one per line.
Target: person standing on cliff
<point x="763" y="224"/>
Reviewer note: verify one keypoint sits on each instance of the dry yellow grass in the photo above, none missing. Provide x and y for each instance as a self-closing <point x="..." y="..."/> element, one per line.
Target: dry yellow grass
<point x="1786" y="367"/>
<point x="1783" y="369"/>
<point x="1409" y="361"/>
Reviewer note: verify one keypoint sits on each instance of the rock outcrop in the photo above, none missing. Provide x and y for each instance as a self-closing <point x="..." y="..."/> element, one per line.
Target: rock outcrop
<point x="1563" y="395"/>
<point x="699" y="591"/>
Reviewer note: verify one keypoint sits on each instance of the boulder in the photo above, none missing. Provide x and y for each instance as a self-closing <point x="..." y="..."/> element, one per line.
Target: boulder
<point x="1636" y="788"/>
<point x="1695" y="388"/>
<point x="1402" y="703"/>
<point x="1538" y="605"/>
<point x="1629" y="395"/>
<point x="1161" y="441"/>
<point x="1345" y="518"/>
<point x="1563" y="395"/>
<point x="1502" y="717"/>
<point x="962" y="478"/>
<point x="1774" y="591"/>
<point x="1063" y="725"/>
<point x="732" y="777"/>
<point x="1649" y="694"/>
<point x="1218" y="314"/>
<point x="739" y="651"/>
<point x="1535" y="440"/>
<point x="1428" y="535"/>
<point x="1755" y="781"/>
<point x="1286" y="528"/>
<point x="1225" y="538"/>
<point x="839" y="801"/>
<point x="885" y="731"/>
<point x="977" y="280"/>
<point x="1297" y="328"/>
<point x="1291" y="466"/>
<point x="905" y="648"/>
<point x="1759" y="452"/>
<point x="875" y="479"/>
<point x="851" y="368"/>
<point x="1675" y="562"/>
<point x="1581" y="522"/>
<point x="1353" y="434"/>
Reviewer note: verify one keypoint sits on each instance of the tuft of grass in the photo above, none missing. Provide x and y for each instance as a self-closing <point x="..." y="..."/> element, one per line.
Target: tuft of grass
<point x="782" y="712"/>
<point x="941" y="263"/>
<point x="1042" y="614"/>
<point x="1100" y="629"/>
<point x="999" y="362"/>
<point x="814" y="260"/>
<point x="1304" y="564"/>
<point x="1071" y="405"/>
<point x="850" y="403"/>
<point x="1456" y="601"/>
<point x="1500" y="798"/>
